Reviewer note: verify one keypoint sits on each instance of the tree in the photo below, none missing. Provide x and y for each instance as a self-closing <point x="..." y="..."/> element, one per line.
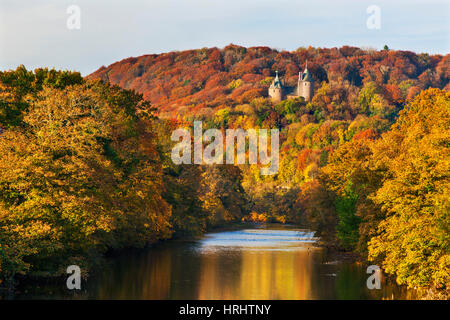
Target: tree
<point x="16" y="86"/>
<point x="351" y="177"/>
<point x="81" y="176"/>
<point x="413" y="242"/>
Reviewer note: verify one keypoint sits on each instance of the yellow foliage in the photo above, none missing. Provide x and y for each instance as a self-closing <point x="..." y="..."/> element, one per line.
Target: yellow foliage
<point x="413" y="241"/>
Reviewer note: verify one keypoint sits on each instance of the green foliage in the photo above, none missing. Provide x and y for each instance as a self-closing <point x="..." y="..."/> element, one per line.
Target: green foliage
<point x="367" y="97"/>
<point x="348" y="225"/>
<point x="18" y="87"/>
<point x="222" y="117"/>
<point x="289" y="106"/>
<point x="235" y="84"/>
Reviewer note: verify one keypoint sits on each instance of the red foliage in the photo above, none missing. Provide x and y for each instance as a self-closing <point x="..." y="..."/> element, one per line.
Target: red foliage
<point x="368" y="134"/>
<point x="201" y="77"/>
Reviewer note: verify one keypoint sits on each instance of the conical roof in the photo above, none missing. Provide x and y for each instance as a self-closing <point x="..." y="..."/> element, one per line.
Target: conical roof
<point x="276" y="83"/>
<point x="306" y="76"/>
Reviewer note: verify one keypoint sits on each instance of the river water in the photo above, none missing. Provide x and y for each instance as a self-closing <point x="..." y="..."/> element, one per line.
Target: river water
<point x="259" y="263"/>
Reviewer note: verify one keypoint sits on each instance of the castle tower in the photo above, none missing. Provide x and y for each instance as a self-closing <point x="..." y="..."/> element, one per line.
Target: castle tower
<point x="305" y="84"/>
<point x="276" y="91"/>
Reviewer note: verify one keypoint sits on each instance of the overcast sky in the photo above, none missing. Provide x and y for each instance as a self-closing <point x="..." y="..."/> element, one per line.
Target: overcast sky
<point x="35" y="32"/>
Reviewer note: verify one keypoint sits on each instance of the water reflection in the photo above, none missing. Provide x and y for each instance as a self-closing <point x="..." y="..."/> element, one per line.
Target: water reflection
<point x="275" y="263"/>
<point x="256" y="264"/>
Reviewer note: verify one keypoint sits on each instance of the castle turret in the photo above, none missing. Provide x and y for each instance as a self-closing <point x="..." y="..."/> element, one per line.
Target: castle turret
<point x="305" y="84"/>
<point x="276" y="91"/>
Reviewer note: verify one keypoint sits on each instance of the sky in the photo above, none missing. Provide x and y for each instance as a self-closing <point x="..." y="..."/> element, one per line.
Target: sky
<point x="35" y="33"/>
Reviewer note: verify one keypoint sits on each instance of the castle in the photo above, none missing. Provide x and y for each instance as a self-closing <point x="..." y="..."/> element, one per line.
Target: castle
<point x="278" y="92"/>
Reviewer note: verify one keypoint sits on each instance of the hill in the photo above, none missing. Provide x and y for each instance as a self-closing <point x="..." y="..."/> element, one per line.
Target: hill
<point x="195" y="83"/>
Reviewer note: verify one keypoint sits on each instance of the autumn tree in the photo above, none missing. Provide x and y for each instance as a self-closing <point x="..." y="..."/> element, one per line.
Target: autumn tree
<point x="413" y="241"/>
<point x="80" y="177"/>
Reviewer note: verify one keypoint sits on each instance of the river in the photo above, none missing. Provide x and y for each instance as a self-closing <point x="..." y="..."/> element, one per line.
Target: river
<point x="266" y="262"/>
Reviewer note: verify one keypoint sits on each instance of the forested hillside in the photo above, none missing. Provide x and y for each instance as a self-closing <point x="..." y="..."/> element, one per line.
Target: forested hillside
<point x="195" y="83"/>
<point x="85" y="164"/>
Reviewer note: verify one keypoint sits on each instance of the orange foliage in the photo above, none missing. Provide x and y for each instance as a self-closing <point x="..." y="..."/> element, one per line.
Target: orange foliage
<point x="194" y="77"/>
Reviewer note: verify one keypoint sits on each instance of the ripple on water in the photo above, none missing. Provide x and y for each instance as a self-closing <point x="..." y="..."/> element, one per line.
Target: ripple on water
<point x="257" y="239"/>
